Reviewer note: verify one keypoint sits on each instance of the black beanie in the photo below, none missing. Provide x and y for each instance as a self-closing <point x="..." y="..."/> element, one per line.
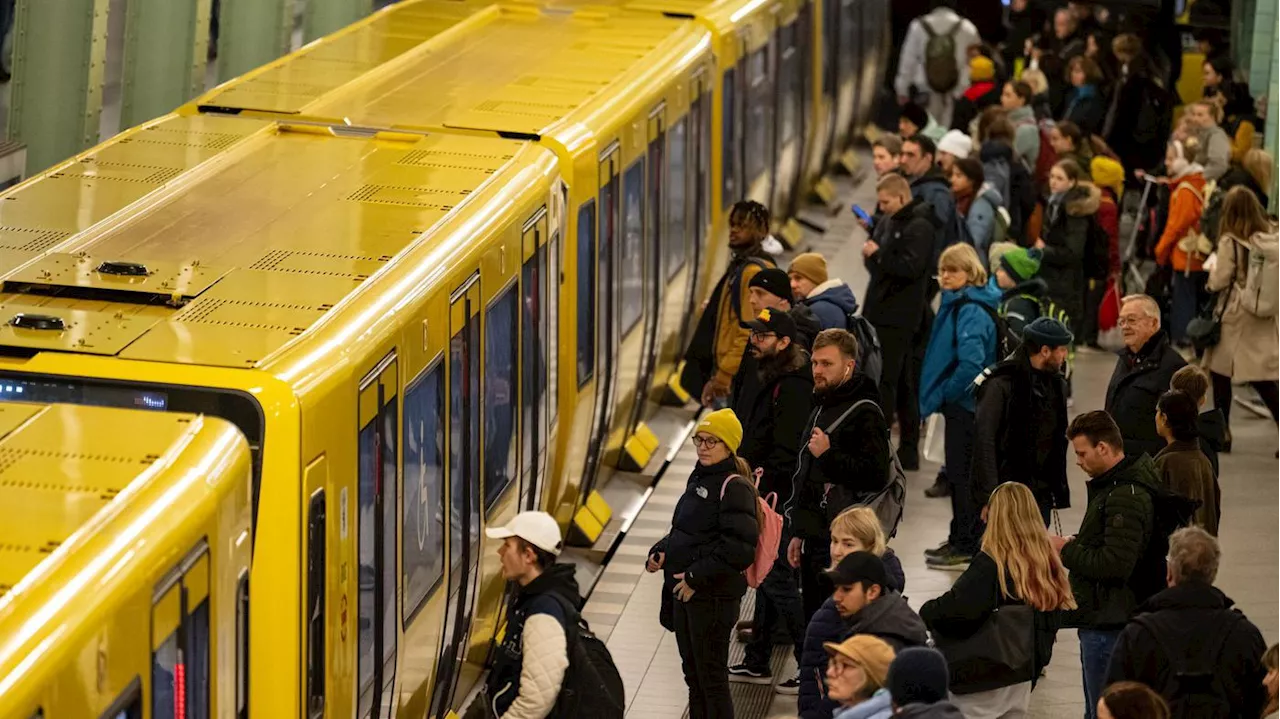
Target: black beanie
<point x="917" y="115"/>
<point x="918" y="675"/>
<point x="774" y="281"/>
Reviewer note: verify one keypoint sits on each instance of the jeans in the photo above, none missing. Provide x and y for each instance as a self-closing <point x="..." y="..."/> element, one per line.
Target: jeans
<point x="814" y="585"/>
<point x="966" y="520"/>
<point x="1095" y="653"/>
<point x="777" y="600"/>
<point x="898" y="391"/>
<point x="1189" y="295"/>
<point x="703" y="626"/>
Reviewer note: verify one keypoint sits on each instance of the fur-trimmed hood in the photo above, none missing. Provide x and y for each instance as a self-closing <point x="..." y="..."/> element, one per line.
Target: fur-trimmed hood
<point x="1082" y="200"/>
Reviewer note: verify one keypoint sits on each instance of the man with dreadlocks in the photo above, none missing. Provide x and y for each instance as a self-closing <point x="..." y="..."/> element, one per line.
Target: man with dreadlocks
<point x="716" y="348"/>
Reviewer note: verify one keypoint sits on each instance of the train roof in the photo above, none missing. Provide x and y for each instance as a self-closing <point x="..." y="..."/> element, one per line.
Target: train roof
<point x="514" y="70"/>
<point x="238" y="254"/>
<point x="61" y="465"/>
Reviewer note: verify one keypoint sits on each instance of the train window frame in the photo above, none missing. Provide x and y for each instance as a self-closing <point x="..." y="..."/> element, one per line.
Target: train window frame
<point x="316" y="587"/>
<point x="586" y="292"/>
<point x="676" y="200"/>
<point x="509" y="296"/>
<point x="552" y="280"/>
<point x="413" y="600"/>
<point x="126" y="705"/>
<point x="756" y="151"/>
<point x="728" y="160"/>
<point x="242" y="645"/>
<point x="631" y="242"/>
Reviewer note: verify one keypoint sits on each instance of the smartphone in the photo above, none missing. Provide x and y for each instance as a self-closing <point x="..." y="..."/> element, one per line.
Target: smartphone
<point x="861" y="214"/>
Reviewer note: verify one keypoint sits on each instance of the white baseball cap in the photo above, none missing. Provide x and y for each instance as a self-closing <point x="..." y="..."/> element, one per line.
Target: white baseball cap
<point x="536" y="528"/>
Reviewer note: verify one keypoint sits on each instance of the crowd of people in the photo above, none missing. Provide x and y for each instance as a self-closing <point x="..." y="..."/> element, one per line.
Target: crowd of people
<point x="994" y="256"/>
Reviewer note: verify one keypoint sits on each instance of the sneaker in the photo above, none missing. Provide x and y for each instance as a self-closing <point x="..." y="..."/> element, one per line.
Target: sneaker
<point x="790" y="687"/>
<point x="950" y="562"/>
<point x="941" y="550"/>
<point x="747" y="675"/>
<point x="941" y="488"/>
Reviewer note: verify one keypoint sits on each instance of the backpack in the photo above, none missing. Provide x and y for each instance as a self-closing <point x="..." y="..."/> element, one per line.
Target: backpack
<point x="1261" y="295"/>
<point x="888" y="501"/>
<point x="1193" y="689"/>
<point x="1000" y="227"/>
<point x="870" y="360"/>
<point x="770" y="531"/>
<point x="1007" y="341"/>
<point x="1048" y="156"/>
<point x="1097" y="251"/>
<point x="940" y="68"/>
<point x="1170" y="512"/>
<point x="1212" y="212"/>
<point x="592" y="686"/>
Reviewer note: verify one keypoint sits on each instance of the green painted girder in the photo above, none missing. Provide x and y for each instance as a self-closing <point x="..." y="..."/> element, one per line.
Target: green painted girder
<point x="165" y="54"/>
<point x="252" y="33"/>
<point x="325" y="16"/>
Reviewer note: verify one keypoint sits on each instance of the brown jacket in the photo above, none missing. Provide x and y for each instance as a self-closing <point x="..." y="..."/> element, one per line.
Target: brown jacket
<point x="731" y="333"/>
<point x="1184" y="469"/>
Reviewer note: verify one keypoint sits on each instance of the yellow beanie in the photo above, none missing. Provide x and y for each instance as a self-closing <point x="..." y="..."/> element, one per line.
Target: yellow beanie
<point x="723" y="424"/>
<point x="981" y="68"/>
<point x="811" y="266"/>
<point x="1107" y="172"/>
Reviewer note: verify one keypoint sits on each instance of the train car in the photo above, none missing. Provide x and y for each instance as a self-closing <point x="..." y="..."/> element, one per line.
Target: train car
<point x="124" y="562"/>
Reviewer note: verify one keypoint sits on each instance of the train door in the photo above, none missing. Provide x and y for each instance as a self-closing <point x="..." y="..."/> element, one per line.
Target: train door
<point x="787" y="96"/>
<point x="181" y="656"/>
<point x="606" y="312"/>
<point x="535" y="327"/>
<point x="464" y="488"/>
<point x="831" y="50"/>
<point x="650" y="206"/>
<point x="376" y="516"/>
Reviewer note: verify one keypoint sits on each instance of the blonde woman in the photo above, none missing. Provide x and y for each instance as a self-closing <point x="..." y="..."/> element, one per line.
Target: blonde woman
<point x="961" y="345"/>
<point x="1017" y="565"/>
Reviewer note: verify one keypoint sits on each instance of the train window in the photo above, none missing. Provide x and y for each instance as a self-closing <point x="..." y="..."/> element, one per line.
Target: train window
<point x="586" y="292"/>
<point x="788" y="83"/>
<point x="533" y="387"/>
<point x="423" y="539"/>
<point x="655" y="228"/>
<point x="315" y="617"/>
<point x="551" y="333"/>
<point x="464" y="480"/>
<point x="632" y="260"/>
<point x="728" y="168"/>
<point x="180" y="661"/>
<point x="126" y="706"/>
<point x="242" y="646"/>
<point x="673" y="237"/>
<point x="756" y="150"/>
<point x="500" y="396"/>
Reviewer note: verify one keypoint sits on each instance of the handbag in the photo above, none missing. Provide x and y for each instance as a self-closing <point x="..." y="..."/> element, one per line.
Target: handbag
<point x="1205" y="329"/>
<point x="1000" y="654"/>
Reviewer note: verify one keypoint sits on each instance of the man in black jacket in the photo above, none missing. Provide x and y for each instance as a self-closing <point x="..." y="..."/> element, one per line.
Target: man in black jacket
<point x="772" y="436"/>
<point x="770" y="289"/>
<point x="1021" y="433"/>
<point x="898" y="260"/>
<point x="1143" y="372"/>
<point x="919" y="154"/>
<point x="868" y="606"/>
<point x="1108" y="559"/>
<point x="845" y="460"/>
<point x="1189" y="644"/>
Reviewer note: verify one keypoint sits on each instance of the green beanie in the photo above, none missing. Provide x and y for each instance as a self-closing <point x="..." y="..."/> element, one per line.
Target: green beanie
<point x="1021" y="264"/>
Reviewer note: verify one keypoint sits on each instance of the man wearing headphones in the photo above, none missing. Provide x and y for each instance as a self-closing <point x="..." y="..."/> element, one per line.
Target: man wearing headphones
<point x="845" y="460"/>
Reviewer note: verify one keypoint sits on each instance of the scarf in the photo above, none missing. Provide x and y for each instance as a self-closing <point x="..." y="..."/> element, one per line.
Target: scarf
<point x="964" y="200"/>
<point x="1055" y="205"/>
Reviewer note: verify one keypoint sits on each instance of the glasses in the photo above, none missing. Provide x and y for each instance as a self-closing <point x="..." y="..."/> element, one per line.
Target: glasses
<point x="762" y="335"/>
<point x="1132" y="320"/>
<point x="705" y="441"/>
<point x="842" y="665"/>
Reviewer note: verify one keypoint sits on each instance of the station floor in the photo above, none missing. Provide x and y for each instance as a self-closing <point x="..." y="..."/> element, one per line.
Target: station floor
<point x="623" y="608"/>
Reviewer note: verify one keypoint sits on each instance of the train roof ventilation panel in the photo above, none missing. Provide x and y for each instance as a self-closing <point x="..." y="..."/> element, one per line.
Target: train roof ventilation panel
<point x="131" y="281"/>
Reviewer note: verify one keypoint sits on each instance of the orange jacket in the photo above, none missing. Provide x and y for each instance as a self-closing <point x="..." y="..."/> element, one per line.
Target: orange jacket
<point x="1185" y="207"/>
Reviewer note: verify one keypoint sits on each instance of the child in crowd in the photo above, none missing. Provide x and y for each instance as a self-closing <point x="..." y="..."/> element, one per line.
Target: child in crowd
<point x="1023" y="294"/>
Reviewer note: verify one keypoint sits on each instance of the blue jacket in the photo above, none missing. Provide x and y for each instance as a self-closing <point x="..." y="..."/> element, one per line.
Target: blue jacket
<point x="962" y="343"/>
<point x="828" y="626"/>
<point x="879" y="706"/>
<point x="831" y="301"/>
<point x="935" y="189"/>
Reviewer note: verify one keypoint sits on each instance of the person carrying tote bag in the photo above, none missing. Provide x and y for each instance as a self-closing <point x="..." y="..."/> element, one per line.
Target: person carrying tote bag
<point x="997" y="623"/>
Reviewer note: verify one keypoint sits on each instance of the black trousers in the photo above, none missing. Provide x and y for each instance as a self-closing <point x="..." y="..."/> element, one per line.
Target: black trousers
<point x="815" y="588"/>
<point x="1094" y="290"/>
<point x="966" y="514"/>
<point x="1269" y="391"/>
<point x="777" y="600"/>
<point x="899" y="391"/>
<point x="703" y="626"/>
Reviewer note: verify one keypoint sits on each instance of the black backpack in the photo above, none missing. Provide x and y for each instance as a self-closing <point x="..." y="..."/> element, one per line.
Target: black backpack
<point x="592" y="686"/>
<point x="1171" y="511"/>
<point x="1007" y="341"/>
<point x="1097" y="251"/>
<point x="940" y="69"/>
<point x="1193" y="689"/>
<point x="870" y="361"/>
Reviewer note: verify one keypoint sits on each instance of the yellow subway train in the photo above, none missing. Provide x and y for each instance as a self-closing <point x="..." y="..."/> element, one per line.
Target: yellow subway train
<point x="435" y="269"/>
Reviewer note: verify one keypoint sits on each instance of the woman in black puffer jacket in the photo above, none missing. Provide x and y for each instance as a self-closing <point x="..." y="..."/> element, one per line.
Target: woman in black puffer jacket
<point x="1063" y="235"/>
<point x="712" y="541"/>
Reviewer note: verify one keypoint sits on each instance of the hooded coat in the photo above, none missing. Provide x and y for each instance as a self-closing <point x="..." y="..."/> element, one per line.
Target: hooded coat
<point x="832" y="301"/>
<point x="1249" y="348"/>
<point x="1065" y="235"/>
<point x="961" y="343"/>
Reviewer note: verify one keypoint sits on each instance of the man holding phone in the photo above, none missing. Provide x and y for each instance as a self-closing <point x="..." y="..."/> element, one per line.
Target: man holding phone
<point x="899" y="259"/>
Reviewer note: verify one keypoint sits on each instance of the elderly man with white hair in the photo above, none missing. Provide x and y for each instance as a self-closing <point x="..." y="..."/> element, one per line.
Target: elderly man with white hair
<point x="1142" y="374"/>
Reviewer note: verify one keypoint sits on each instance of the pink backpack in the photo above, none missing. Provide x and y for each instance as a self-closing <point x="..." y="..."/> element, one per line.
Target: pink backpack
<point x="770" y="531"/>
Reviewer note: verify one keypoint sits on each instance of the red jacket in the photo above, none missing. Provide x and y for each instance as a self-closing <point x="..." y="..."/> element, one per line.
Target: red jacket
<point x="978" y="89"/>
<point x="1109" y="220"/>
<point x="1185" y="207"/>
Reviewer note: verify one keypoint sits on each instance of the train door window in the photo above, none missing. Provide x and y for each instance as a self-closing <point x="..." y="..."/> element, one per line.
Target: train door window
<point x="756" y="148"/>
<point x="673" y="240"/>
<point x="422" y="539"/>
<point x="377" y="511"/>
<point x="553" y="268"/>
<point x="500" y="395"/>
<point x="788" y="84"/>
<point x="538" y="353"/>
<point x="464" y="357"/>
<point x="655" y="231"/>
<point x="242" y="646"/>
<point x="632" y="265"/>
<point x="180" y="677"/>
<point x="586" y="292"/>
<point x="126" y="706"/>
<point x="315" y="617"/>
<point x="728" y="165"/>
<point x="831" y="45"/>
